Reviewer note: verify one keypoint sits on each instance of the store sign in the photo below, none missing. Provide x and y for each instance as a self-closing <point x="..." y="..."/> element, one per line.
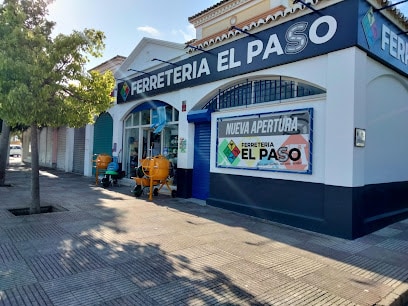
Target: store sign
<point x="305" y="37"/>
<point x="382" y="39"/>
<point x="279" y="141"/>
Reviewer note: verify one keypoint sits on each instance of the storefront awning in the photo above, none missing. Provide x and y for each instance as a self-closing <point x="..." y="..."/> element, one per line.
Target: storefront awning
<point x="201" y="115"/>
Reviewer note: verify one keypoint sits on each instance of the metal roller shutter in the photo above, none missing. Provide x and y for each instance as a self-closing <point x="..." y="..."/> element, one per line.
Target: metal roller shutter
<point x="61" y="147"/>
<point x="79" y="151"/>
<point x="201" y="172"/>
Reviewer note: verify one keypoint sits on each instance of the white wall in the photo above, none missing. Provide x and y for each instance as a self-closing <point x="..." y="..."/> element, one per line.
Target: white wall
<point x="89" y="134"/>
<point x="45" y="146"/>
<point x="69" y="153"/>
<point x="361" y="93"/>
<point x="387" y="124"/>
<point x="342" y="84"/>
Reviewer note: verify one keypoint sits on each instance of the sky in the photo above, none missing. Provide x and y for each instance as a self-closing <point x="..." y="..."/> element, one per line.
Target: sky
<point x="126" y="22"/>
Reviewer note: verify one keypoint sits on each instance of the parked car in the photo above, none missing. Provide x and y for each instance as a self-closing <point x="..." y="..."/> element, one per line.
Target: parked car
<point x="15" y="150"/>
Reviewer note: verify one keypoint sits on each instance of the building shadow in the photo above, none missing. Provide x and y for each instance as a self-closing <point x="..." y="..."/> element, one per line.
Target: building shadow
<point x="93" y="253"/>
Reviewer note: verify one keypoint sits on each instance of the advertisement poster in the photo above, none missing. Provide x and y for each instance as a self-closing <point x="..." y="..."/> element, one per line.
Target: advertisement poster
<point x="279" y="141"/>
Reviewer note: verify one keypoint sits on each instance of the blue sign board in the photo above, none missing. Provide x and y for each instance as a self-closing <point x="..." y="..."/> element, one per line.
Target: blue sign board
<point x="382" y="39"/>
<point x="314" y="34"/>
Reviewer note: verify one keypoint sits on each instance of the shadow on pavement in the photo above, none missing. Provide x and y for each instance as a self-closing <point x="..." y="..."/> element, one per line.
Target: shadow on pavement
<point x="108" y="248"/>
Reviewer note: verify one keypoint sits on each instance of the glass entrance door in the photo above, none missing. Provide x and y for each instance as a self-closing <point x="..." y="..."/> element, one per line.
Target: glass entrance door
<point x="151" y="143"/>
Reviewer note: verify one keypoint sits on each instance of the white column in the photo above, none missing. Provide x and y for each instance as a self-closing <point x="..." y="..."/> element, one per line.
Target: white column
<point x="344" y="110"/>
<point x="69" y="149"/>
<point x="185" y="159"/>
<point x="89" y="135"/>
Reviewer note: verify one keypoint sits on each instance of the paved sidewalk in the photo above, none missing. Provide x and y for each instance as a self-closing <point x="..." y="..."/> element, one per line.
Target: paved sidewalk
<point x="110" y="248"/>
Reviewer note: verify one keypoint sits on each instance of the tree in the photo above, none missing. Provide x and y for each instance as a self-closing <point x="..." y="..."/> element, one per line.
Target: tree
<point x="4" y="149"/>
<point x="43" y="81"/>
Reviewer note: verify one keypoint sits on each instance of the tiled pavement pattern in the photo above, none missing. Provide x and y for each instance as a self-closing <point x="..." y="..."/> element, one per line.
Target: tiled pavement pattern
<point x="110" y="248"/>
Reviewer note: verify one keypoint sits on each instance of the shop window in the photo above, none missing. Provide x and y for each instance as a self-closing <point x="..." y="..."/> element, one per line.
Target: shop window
<point x="136" y="119"/>
<point x="128" y="121"/>
<point x="141" y="141"/>
<point x="169" y="114"/>
<point x="260" y="91"/>
<point x="145" y="116"/>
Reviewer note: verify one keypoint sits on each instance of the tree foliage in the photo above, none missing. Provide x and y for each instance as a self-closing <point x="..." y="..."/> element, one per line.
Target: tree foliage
<point x="43" y="80"/>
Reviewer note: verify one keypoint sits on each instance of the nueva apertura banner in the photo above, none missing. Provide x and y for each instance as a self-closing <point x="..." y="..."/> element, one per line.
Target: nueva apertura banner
<point x="278" y="141"/>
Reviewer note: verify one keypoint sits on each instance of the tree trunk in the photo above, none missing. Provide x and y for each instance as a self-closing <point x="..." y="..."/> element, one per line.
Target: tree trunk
<point x="4" y="149"/>
<point x="35" y="207"/>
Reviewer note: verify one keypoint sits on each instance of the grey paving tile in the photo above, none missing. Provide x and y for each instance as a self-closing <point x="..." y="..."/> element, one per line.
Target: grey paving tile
<point x="33" y="231"/>
<point x="299" y="267"/>
<point x="8" y="252"/>
<point x="31" y="294"/>
<point x="387" y="232"/>
<point x="395" y="245"/>
<point x="139" y="298"/>
<point x="62" y="264"/>
<point x="15" y="273"/>
<point x="385" y="255"/>
<point x="113" y="249"/>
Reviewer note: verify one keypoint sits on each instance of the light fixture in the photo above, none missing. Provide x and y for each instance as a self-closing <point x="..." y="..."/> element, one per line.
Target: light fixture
<point x="359" y="137"/>
<point x="240" y="30"/>
<point x="307" y="5"/>
<point x="196" y="48"/>
<point x="130" y="69"/>
<point x="390" y="5"/>
<point x="156" y="59"/>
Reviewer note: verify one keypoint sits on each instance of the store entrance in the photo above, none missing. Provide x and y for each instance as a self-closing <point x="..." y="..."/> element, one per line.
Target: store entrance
<point x="151" y="143"/>
<point x="140" y="140"/>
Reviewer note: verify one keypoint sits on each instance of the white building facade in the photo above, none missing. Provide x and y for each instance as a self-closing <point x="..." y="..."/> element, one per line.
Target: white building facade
<point x="291" y="113"/>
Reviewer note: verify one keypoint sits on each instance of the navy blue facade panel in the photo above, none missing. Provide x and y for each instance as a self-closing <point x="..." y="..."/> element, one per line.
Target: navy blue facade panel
<point x="383" y="204"/>
<point x="347" y="212"/>
<point x="309" y="36"/>
<point x="184" y="183"/>
<point x="270" y="199"/>
<point x="201" y="173"/>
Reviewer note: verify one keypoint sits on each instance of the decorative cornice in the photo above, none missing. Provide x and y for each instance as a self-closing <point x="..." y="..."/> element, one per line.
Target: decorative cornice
<point x="393" y="12"/>
<point x="215" y="11"/>
<point x="262" y="21"/>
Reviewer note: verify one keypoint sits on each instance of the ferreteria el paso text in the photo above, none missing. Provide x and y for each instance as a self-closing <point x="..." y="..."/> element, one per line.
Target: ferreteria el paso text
<point x="295" y="39"/>
<point x="282" y="154"/>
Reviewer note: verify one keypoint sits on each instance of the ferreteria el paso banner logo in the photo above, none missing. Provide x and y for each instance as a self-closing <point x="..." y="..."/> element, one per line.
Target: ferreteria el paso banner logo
<point x="278" y="141"/>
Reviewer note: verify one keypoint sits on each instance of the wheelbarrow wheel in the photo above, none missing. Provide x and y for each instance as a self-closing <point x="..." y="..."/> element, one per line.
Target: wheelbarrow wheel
<point x="155" y="192"/>
<point x="173" y="193"/>
<point x="138" y="191"/>
<point x="106" y="182"/>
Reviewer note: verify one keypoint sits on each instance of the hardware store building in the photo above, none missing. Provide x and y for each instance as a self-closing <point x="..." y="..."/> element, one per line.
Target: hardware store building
<point x="290" y="112"/>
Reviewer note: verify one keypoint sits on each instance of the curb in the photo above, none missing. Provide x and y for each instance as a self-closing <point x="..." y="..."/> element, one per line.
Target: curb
<point x="399" y="297"/>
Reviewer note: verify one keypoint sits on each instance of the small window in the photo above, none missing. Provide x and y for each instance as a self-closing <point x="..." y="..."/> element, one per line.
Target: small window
<point x="128" y="121"/>
<point x="169" y="114"/>
<point x="145" y="116"/>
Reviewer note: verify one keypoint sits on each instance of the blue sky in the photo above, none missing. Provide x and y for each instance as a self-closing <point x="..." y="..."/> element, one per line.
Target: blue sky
<point x="126" y="22"/>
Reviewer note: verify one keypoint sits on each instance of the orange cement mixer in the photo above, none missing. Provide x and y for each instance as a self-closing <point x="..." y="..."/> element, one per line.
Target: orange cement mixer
<point x="152" y="172"/>
<point x="101" y="163"/>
